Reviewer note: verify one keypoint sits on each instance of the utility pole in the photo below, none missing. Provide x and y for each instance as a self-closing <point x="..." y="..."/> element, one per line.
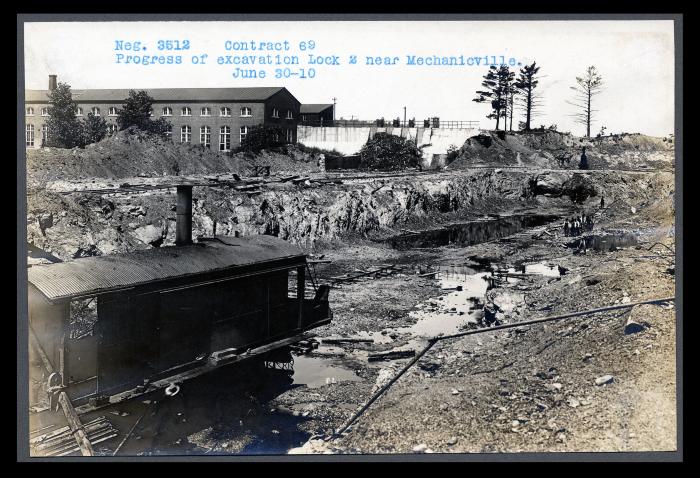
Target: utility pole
<point x="334" y="100"/>
<point x="404" y="116"/>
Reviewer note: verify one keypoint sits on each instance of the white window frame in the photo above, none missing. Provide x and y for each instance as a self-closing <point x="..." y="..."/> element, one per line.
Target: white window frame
<point x="243" y="132"/>
<point x="45" y="111"/>
<point x="112" y="111"/>
<point x="167" y="111"/>
<point x="225" y="111"/>
<point x="275" y="113"/>
<point x="185" y="111"/>
<point x="44" y="133"/>
<point x="79" y="111"/>
<point x="290" y="136"/>
<point x="246" y="112"/>
<point x="29" y="136"/>
<point x="290" y="115"/>
<point x="95" y="111"/>
<point x="205" y="136"/>
<point x="224" y="138"/>
<point x="29" y="111"/>
<point x="205" y="111"/>
<point x="186" y="134"/>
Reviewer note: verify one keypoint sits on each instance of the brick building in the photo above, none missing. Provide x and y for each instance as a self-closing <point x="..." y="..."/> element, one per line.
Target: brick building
<point x="317" y="114"/>
<point x="216" y="117"/>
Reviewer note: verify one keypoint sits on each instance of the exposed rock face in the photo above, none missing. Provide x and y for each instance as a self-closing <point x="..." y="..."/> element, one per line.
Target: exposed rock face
<point x="93" y="225"/>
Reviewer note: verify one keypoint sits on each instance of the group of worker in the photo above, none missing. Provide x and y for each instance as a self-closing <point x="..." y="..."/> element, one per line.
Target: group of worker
<point x="576" y="225"/>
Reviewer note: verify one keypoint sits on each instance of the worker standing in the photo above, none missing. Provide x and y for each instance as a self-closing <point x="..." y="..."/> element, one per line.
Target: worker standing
<point x="584" y="160"/>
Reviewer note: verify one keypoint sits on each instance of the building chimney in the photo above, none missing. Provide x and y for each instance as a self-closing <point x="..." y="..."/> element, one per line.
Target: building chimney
<point x="52" y="82"/>
<point x="183" y="231"/>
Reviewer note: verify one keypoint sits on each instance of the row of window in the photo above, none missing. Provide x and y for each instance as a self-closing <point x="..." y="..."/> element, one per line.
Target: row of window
<point x="168" y="111"/>
<point x="185" y="135"/>
<point x="29" y="133"/>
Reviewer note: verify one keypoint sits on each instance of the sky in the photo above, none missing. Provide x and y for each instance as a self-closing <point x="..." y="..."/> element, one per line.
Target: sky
<point x="634" y="57"/>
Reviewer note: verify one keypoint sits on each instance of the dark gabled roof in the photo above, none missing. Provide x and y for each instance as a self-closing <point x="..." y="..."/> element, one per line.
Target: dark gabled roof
<point x="97" y="275"/>
<point x="167" y="94"/>
<point x="314" y="108"/>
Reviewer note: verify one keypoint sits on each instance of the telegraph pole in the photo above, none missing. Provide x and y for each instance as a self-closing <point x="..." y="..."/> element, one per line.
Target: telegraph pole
<point x="404" y="116"/>
<point x="334" y="100"/>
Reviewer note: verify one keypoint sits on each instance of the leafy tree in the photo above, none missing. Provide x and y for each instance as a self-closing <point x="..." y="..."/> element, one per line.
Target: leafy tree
<point x="63" y="128"/>
<point x="94" y="129"/>
<point x="388" y="151"/>
<point x="262" y="137"/>
<point x="498" y="88"/>
<point x="137" y="112"/>
<point x="525" y="84"/>
<point x="587" y="87"/>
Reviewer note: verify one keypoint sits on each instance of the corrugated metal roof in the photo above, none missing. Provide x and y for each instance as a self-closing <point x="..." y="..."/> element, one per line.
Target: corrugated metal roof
<point x="220" y="95"/>
<point x="314" y="108"/>
<point x="94" y="275"/>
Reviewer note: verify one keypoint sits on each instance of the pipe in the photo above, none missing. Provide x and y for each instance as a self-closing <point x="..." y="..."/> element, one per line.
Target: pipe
<point x="435" y="340"/>
<point x="183" y="231"/>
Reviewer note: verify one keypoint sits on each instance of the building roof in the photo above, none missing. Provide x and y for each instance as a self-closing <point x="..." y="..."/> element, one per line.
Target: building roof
<point x="218" y="95"/>
<point x="314" y="108"/>
<point x="97" y="275"/>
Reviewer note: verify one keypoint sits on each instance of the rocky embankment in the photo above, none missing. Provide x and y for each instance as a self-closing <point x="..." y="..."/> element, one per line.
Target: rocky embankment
<point x="82" y="224"/>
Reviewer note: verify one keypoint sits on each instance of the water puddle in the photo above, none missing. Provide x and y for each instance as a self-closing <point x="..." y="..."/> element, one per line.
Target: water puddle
<point x="315" y="372"/>
<point x="470" y="233"/>
<point x="605" y="243"/>
<point x="546" y="269"/>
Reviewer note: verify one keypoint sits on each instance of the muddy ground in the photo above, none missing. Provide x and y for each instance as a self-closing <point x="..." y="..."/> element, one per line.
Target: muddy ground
<point x="526" y="389"/>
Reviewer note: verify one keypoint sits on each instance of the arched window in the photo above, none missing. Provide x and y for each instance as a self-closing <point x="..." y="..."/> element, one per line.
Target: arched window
<point x="225" y="138"/>
<point x="95" y="110"/>
<point x="246" y="112"/>
<point x="289" y="114"/>
<point x="112" y="111"/>
<point x="275" y="113"/>
<point x="205" y="136"/>
<point x="30" y="111"/>
<point x="186" y="111"/>
<point x="79" y="111"/>
<point x="225" y="111"/>
<point x="29" y="135"/>
<point x="206" y="111"/>
<point x="185" y="134"/>
<point x="44" y="111"/>
<point x="244" y="132"/>
<point x="167" y="111"/>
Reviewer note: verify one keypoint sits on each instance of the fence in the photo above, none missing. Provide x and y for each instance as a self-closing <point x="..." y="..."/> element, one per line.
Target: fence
<point x="383" y="123"/>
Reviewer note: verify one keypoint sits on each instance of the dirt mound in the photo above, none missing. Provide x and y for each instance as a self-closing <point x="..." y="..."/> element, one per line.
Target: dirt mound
<point x="131" y="153"/>
<point x="552" y="149"/>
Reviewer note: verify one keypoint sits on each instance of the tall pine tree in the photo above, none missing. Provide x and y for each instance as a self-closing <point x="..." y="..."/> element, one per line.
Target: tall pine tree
<point x="525" y="84"/>
<point x="587" y="87"/>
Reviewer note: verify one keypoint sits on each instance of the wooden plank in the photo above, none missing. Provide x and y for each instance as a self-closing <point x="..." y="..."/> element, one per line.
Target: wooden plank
<point x="393" y="355"/>
<point x="75" y="425"/>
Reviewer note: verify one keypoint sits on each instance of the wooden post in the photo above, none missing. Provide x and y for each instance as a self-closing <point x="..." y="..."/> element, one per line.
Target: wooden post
<point x="76" y="426"/>
<point x="301" y="279"/>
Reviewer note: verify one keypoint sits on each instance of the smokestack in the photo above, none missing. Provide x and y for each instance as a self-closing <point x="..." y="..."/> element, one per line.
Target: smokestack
<point x="52" y="82"/>
<point x="183" y="231"/>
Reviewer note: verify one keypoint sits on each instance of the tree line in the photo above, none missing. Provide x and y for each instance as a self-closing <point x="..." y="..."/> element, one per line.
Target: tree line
<point x="65" y="130"/>
<point x="503" y="90"/>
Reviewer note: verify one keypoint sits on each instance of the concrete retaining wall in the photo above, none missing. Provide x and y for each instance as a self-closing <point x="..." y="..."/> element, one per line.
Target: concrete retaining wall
<point x="349" y="141"/>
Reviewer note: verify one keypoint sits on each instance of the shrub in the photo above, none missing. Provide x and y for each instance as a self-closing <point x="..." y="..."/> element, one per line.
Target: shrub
<point x="387" y="151"/>
<point x="262" y="137"/>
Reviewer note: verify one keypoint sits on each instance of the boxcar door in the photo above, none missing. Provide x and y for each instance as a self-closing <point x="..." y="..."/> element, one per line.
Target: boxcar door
<point x="125" y="329"/>
<point x="185" y="326"/>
